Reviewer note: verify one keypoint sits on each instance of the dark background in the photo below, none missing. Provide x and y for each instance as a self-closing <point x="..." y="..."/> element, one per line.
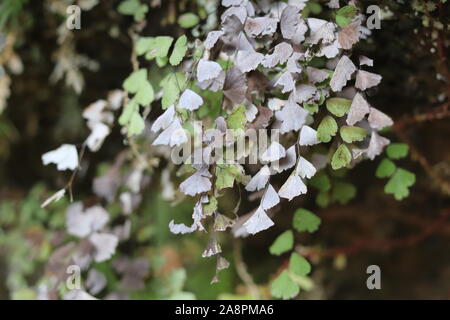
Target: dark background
<point x="409" y="240"/>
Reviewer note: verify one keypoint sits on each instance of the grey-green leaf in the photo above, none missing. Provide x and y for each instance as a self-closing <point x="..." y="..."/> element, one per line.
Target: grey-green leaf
<point x="327" y="129"/>
<point x="188" y="20"/>
<point x="284" y="242"/>
<point x="179" y="51"/>
<point x="338" y="106"/>
<point x="351" y="134"/>
<point x="341" y="157"/>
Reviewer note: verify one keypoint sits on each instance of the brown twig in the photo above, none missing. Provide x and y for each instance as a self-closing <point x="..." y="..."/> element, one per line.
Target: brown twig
<point x="443" y="185"/>
<point x="74" y="174"/>
<point x="371" y="217"/>
<point x="436" y="113"/>
<point x="365" y="244"/>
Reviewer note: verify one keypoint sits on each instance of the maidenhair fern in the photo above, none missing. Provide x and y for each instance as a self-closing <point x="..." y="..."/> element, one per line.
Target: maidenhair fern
<point x="269" y="67"/>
